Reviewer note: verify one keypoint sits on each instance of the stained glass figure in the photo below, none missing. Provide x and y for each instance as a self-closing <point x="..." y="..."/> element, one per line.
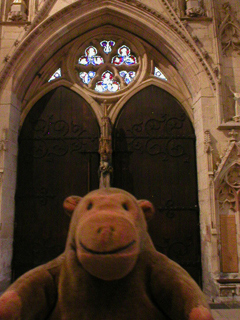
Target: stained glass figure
<point x="86" y="77"/>
<point x="159" y="74"/>
<point x="57" y="74"/>
<point x="91" y="57"/>
<point x="107" y="83"/>
<point x="124" y="56"/>
<point x="127" y="76"/>
<point x="107" y="45"/>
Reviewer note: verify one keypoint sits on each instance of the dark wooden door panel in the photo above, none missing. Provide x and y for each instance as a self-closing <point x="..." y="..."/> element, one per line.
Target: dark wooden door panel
<point x="154" y="158"/>
<point x="58" y="156"/>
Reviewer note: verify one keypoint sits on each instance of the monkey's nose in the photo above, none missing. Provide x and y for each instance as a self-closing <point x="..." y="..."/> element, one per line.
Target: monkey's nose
<point x="105" y="233"/>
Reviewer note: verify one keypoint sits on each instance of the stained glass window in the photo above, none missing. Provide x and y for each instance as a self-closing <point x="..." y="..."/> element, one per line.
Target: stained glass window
<point x="124" y="57"/>
<point x="91" y="57"/>
<point x="127" y="76"/>
<point x="107" y="45"/>
<point x="57" y="74"/>
<point x="87" y="76"/>
<point x="107" y="66"/>
<point x="107" y="83"/>
<point x="159" y="74"/>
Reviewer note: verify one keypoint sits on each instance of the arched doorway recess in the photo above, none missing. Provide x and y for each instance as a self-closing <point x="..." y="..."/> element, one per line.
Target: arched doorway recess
<point x="58" y="156"/>
<point x="148" y="63"/>
<point x="153" y="157"/>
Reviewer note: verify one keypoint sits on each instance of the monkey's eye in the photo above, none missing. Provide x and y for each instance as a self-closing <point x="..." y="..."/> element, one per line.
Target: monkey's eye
<point x="125" y="206"/>
<point x="89" y="206"/>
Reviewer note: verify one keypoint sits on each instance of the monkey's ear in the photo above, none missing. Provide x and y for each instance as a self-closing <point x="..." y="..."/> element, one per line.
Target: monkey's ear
<point x="70" y="204"/>
<point x="147" y="208"/>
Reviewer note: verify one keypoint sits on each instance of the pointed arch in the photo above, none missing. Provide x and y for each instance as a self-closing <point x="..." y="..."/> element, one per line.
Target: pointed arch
<point x="182" y="96"/>
<point x="60" y="83"/>
<point x="47" y="37"/>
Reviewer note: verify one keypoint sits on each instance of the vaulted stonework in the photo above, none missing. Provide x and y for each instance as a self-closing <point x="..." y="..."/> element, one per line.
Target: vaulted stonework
<point x="143" y="95"/>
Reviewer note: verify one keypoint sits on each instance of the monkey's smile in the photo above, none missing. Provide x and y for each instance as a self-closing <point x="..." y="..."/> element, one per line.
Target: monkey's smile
<point x="108" y="252"/>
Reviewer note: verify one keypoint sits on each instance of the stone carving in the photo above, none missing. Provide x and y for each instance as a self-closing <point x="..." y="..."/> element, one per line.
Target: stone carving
<point x="237" y="105"/>
<point x="4" y="140"/>
<point x="229" y="31"/>
<point x="18" y="11"/>
<point x="194" y="8"/>
<point x="228" y="173"/>
<point x="232" y="154"/>
<point x="105" y="151"/>
<point x="209" y="151"/>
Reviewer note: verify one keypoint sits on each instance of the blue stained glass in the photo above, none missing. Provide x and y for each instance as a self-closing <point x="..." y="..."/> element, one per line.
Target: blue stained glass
<point x="127" y="76"/>
<point x="91" y="57"/>
<point x="107" y="45"/>
<point x="159" y="74"/>
<point x="57" y="74"/>
<point x="107" y="83"/>
<point x="124" y="56"/>
<point x="86" y="77"/>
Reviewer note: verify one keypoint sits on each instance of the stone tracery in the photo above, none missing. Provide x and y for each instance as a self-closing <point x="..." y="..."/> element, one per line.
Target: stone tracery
<point x="227" y="182"/>
<point x="229" y="31"/>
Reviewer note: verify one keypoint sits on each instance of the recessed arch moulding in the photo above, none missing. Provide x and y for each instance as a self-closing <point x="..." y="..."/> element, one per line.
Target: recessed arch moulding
<point x="76" y="20"/>
<point x="188" y="74"/>
<point x="66" y="58"/>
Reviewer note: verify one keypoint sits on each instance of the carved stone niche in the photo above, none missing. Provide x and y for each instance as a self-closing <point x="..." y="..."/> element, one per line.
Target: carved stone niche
<point x="227" y="186"/>
<point x="18" y="11"/>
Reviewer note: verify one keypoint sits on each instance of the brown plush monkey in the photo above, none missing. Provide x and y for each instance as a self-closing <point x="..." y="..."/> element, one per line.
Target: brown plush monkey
<point x="110" y="270"/>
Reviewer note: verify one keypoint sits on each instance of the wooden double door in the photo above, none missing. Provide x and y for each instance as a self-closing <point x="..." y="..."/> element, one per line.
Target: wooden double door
<point x="153" y="158"/>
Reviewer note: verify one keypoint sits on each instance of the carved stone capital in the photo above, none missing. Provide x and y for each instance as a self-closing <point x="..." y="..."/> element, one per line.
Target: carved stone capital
<point x="194" y="8"/>
<point x="233" y="135"/>
<point x="18" y="11"/>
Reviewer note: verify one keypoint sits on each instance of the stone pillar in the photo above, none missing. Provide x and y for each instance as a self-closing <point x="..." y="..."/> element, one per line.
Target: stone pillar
<point x="9" y="125"/>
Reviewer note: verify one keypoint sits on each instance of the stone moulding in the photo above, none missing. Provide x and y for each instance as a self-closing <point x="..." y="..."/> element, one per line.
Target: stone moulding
<point x="209" y="151"/>
<point x="39" y="25"/>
